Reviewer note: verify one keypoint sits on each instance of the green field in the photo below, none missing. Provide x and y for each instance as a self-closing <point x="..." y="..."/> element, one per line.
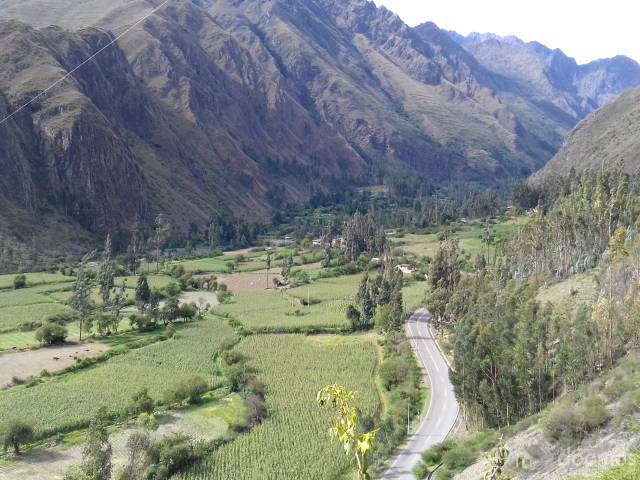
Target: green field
<point x="469" y="236"/>
<point x="69" y="401"/>
<point x="293" y="442"/>
<point x="285" y="310"/>
<point x="6" y="281"/>
<point x="12" y="317"/>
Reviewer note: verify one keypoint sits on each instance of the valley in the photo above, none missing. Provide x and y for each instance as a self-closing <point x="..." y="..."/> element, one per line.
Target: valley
<point x="311" y="239"/>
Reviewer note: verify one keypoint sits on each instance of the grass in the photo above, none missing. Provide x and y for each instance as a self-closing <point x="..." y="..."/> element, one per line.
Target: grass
<point x="68" y="402"/>
<point x="468" y="235"/>
<point x="629" y="470"/>
<point x="293" y="441"/>
<point x="155" y="281"/>
<point x="578" y="288"/>
<point x="6" y="281"/>
<point x="12" y="317"/>
<point x="276" y="311"/>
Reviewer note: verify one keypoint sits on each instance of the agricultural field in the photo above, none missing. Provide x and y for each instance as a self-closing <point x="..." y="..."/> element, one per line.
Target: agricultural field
<point x="68" y="401"/>
<point x="293" y="441"/>
<point x="468" y="235"/>
<point x="33" y="279"/>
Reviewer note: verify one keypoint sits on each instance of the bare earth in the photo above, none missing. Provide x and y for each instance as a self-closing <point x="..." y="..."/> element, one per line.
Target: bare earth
<point x="51" y="463"/>
<point x="199" y="297"/>
<point x="32" y="362"/>
<point x="247" y="282"/>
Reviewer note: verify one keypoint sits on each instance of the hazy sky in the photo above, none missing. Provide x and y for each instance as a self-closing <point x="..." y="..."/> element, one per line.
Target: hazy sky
<point x="585" y="30"/>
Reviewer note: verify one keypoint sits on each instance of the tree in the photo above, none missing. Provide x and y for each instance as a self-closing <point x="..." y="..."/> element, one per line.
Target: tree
<point x="117" y="305"/>
<point x="96" y="454"/>
<point x="51" y="333"/>
<point x="138" y="444"/>
<point x="353" y="315"/>
<point x="161" y="236"/>
<point x="286" y="269"/>
<point x="106" y="274"/>
<point x="143" y="293"/>
<point x="20" y="281"/>
<point x="14" y="434"/>
<point x="365" y="302"/>
<point x="268" y="262"/>
<point x="347" y="427"/>
<point x="80" y="298"/>
<point x="141" y="402"/>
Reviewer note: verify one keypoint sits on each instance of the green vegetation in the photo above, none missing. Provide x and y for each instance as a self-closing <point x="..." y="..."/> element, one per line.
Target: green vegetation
<point x="294" y="368"/>
<point x="627" y="471"/>
<point x="455" y="455"/>
<point x="68" y="402"/>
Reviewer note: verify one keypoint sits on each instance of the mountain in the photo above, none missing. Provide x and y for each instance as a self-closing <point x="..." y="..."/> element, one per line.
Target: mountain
<point x="610" y="134"/>
<point x="234" y="107"/>
<point x="556" y="83"/>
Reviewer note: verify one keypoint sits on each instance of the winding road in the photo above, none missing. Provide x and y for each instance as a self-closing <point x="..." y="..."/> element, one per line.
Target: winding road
<point x="443" y="406"/>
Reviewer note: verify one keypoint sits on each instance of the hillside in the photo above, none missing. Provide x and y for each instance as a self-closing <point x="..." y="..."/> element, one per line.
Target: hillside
<point x="609" y="135"/>
<point x="213" y="107"/>
<point x="555" y="82"/>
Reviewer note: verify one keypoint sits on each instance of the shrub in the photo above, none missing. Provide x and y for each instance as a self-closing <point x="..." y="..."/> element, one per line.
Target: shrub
<point x="459" y="458"/>
<point x="190" y="390"/>
<point x="572" y="423"/>
<point x="141" y="402"/>
<point x="19" y="281"/>
<point x="393" y="372"/>
<point x="51" y="334"/>
<point x="14" y="434"/>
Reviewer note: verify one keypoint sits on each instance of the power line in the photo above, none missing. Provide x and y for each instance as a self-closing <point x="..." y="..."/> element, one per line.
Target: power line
<point x="71" y="72"/>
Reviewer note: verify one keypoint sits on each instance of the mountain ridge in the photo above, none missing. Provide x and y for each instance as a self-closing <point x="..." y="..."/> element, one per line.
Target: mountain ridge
<point x="213" y="107"/>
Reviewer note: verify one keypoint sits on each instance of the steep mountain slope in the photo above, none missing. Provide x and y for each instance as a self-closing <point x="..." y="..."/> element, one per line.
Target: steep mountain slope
<point x="227" y="106"/>
<point x="610" y="134"/>
<point x="552" y="80"/>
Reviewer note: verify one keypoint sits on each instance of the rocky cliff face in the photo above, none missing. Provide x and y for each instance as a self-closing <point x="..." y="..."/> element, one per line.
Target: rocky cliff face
<point x="211" y="106"/>
<point x="609" y="135"/>
<point x="566" y="90"/>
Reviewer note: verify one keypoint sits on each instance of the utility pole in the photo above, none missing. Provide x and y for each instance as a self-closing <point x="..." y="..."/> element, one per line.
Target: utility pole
<point x="408" y="419"/>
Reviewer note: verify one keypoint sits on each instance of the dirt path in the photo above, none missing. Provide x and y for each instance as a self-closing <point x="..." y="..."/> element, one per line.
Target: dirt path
<point x="32" y="362"/>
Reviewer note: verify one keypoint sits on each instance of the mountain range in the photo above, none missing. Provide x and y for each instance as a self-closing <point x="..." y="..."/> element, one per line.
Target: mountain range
<point x="236" y="107"/>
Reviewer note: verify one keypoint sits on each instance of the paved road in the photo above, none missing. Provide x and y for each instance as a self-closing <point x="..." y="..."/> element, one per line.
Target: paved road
<point x="443" y="406"/>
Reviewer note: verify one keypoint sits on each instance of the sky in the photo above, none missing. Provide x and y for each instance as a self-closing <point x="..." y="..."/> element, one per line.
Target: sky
<point x="586" y="30"/>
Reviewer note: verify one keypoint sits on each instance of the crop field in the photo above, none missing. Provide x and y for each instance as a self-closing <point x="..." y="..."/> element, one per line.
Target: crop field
<point x="469" y="236"/>
<point x="69" y="401"/>
<point x="328" y="300"/>
<point x="33" y="279"/>
<point x="251" y="262"/>
<point x="154" y="281"/>
<point x="12" y="317"/>
<point x="293" y="441"/>
<point x="265" y="310"/>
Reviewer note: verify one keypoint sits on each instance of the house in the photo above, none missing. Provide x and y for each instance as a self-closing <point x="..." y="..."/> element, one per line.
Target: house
<point x="318" y="242"/>
<point x="406" y="269"/>
<point x="337" y="242"/>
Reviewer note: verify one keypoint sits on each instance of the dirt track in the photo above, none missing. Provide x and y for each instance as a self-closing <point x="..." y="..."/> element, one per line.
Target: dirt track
<point x="32" y="362"/>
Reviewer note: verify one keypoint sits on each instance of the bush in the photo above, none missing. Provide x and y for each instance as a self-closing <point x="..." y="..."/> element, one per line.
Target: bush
<point x="190" y="390"/>
<point x="14" y="434"/>
<point x="572" y="423"/>
<point x="19" y="281"/>
<point x="51" y="334"/>
<point x="141" y="402"/>
<point x="459" y="458"/>
<point x="393" y="372"/>
<point x="170" y="455"/>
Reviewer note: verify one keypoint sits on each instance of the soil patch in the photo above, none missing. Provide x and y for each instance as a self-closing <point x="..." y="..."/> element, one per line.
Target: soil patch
<point x="32" y="362"/>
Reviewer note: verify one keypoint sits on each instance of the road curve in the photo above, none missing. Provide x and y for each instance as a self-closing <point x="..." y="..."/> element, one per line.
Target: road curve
<point x="443" y="406"/>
